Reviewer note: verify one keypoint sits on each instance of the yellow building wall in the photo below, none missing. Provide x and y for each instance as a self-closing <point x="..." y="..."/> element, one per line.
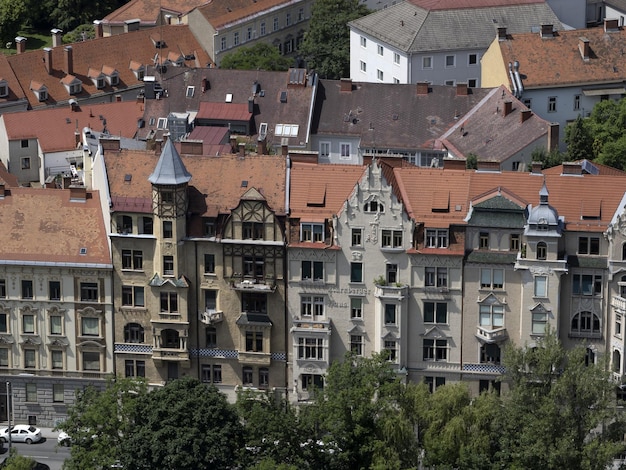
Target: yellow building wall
<point x="494" y="72"/>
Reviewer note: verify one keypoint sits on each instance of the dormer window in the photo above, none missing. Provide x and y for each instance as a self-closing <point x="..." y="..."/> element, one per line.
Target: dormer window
<point x="76" y="88"/>
<point x="100" y="83"/>
<point x="112" y="76"/>
<point x="138" y="69"/>
<point x="40" y="90"/>
<point x="42" y="95"/>
<point x="72" y="84"/>
<point x="4" y="89"/>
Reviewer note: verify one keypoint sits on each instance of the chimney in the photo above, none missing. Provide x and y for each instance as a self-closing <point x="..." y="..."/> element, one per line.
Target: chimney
<point x="47" y="59"/>
<point x="158" y="145"/>
<point x="20" y="44"/>
<point x="536" y="168"/>
<point x="346" y="85"/>
<point x="57" y="38"/>
<point x="242" y="149"/>
<point x="488" y="165"/>
<point x="547" y="31"/>
<point x="110" y="143"/>
<point x="284" y="149"/>
<point x="611" y="25"/>
<point x="205" y="84"/>
<point x="261" y="146"/>
<point x="251" y="105"/>
<point x="69" y="60"/>
<point x="525" y="115"/>
<point x="97" y="26"/>
<point x="2" y="190"/>
<point x="461" y="89"/>
<point x="553" y="136"/>
<point x="508" y="107"/>
<point x="454" y="164"/>
<point x="233" y="144"/>
<point x="501" y="34"/>
<point x="572" y="168"/>
<point x="76" y="138"/>
<point x="78" y="193"/>
<point x="191" y="147"/>
<point x="583" y="47"/>
<point x="422" y="88"/>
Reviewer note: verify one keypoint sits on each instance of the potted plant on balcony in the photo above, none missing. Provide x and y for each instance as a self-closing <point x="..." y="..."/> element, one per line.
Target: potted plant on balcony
<point x="235" y="278"/>
<point x="380" y="281"/>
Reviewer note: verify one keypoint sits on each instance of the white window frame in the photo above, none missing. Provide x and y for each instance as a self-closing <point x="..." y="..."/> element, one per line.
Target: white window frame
<point x="356" y="307"/>
<point x="469" y="59"/>
<point x="315" y="230"/>
<point x="396" y="58"/>
<point x="380" y="50"/>
<point x="437" y="238"/>
<point x="427" y="62"/>
<point x="363" y="41"/>
<point x="363" y="66"/>
<point x="494" y="275"/>
<point x="453" y="65"/>
<point x="343" y="146"/>
<point x="324" y="149"/>
<point x="491" y="316"/>
<point x="380" y="75"/>
<point x="540" y="286"/>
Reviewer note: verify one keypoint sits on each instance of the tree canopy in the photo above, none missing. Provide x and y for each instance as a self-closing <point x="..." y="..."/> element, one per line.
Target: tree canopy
<point x="260" y="56"/>
<point x="326" y="45"/>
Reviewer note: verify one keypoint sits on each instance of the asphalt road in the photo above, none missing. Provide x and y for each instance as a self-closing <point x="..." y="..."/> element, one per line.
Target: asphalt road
<point x="45" y="451"/>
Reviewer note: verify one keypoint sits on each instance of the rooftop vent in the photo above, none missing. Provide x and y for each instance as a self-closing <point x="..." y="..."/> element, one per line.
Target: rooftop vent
<point x="283" y="96"/>
<point x="244" y="183"/>
<point x="128" y="178"/>
<point x="83" y="251"/>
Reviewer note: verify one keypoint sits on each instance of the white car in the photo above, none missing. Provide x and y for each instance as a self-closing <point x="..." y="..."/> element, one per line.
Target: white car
<point x="21" y="433"/>
<point x="64" y="439"/>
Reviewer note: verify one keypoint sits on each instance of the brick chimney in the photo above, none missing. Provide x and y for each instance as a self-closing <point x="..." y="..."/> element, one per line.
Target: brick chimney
<point x="110" y="143"/>
<point x="20" y="44"/>
<point x="421" y="88"/>
<point x="583" y="47"/>
<point x="346" y="85"/>
<point x="233" y="144"/>
<point x="525" y="115"/>
<point x="461" y="89"/>
<point x="57" y="38"/>
<point x="547" y="31"/>
<point x="454" y="164"/>
<point x="284" y="149"/>
<point x="242" y="149"/>
<point x="78" y="193"/>
<point x="97" y="26"/>
<point x="501" y="34"/>
<point x="158" y="145"/>
<point x="611" y="25"/>
<point x="535" y="168"/>
<point x="47" y="59"/>
<point x="191" y="147"/>
<point x="572" y="168"/>
<point x="69" y="60"/>
<point x="553" y="136"/>
<point x="508" y="107"/>
<point x="488" y="165"/>
<point x="261" y="146"/>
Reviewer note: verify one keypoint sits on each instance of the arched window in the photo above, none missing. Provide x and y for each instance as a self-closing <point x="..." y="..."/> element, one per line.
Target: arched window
<point x="133" y="333"/>
<point x="373" y="206"/>
<point x="623" y="251"/>
<point x="542" y="250"/>
<point x="617" y="361"/>
<point x="586" y="322"/>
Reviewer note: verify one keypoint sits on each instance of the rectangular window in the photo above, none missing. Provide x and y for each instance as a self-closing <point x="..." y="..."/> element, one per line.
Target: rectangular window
<point x="263" y="29"/>
<point x="356" y="307"/>
<point x="514" y="242"/>
<point x="24" y="143"/>
<point x="472" y="59"/>
<point x="211" y="337"/>
<point x="287" y="19"/>
<point x="254" y="341"/>
<point x="89" y="291"/>
<point x="576" y="102"/>
<point x="247" y="376"/>
<point x="356" y="344"/>
<point x="252" y="231"/>
<point x="312" y="270"/>
<point x="56" y="325"/>
<point x="167" y="229"/>
<point x="168" y="265"/>
<point x="91" y="361"/>
<point x="132" y="296"/>
<point x="587" y="284"/>
<point x="357" y="237"/>
<point x="539" y="322"/>
<point x="434" y="383"/>
<point x="210" y="300"/>
<point x="381" y="50"/>
<point x="4" y="357"/>
<point x="391" y="271"/>
<point x="471" y="83"/>
<point x="450" y="60"/>
<point x="209" y="263"/>
<point x="133" y="368"/>
<point x="449" y="83"/>
<point x="435" y="349"/>
<point x="311" y="348"/>
<point x="275" y="25"/>
<point x="27" y="289"/>
<point x="363" y="41"/>
<point x="492" y="316"/>
<point x="345" y="151"/>
<point x="3" y="289"/>
<point x="324" y="149"/>
<point x="254" y="302"/>
<point x="541" y="286"/>
<point x="217" y="374"/>
<point x="30" y="359"/>
<point x="390" y="314"/>
<point x="54" y="290"/>
<point x="380" y="75"/>
<point x="427" y="62"/>
<point x="28" y="324"/>
<point x="301" y="14"/>
<point x="491" y="278"/>
<point x="4" y="326"/>
<point x="264" y="377"/>
<point x="58" y="393"/>
<point x="311" y="232"/>
<point x="436" y="277"/>
<point x="356" y="272"/>
<point x="31" y="392"/>
<point x="552" y="104"/>
<point x="169" y="302"/>
<point x="137" y="260"/>
<point x="90" y="326"/>
<point x="223" y="43"/>
<point x="396" y="58"/>
<point x="436" y="238"/>
<point x="25" y="163"/>
<point x="483" y="241"/>
<point x="435" y="312"/>
<point x="363" y="66"/>
<point x="236" y="38"/>
<point x="588" y="245"/>
<point x="57" y="359"/>
<point x="392" y="350"/>
<point x="391" y="239"/>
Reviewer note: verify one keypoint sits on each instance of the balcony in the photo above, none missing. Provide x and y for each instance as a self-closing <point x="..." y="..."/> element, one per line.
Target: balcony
<point x="211" y="317"/>
<point x="397" y="292"/>
<point x="310" y="325"/>
<point x="619" y="304"/>
<point x="253" y="284"/>
<point x="491" y="336"/>
<point x="254" y="358"/>
<point x="163" y="355"/>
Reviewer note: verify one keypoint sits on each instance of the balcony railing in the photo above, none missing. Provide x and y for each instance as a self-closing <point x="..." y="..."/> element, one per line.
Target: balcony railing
<point x="170" y="355"/>
<point x="253" y="284"/>
<point x="254" y="358"/>
<point x="211" y="316"/>
<point x="491" y="336"/>
<point x="391" y="291"/>
<point x="618" y="303"/>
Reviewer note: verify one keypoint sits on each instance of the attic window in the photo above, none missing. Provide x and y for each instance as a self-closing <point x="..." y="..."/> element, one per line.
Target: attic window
<point x="190" y="90"/>
<point x="83" y="251"/>
<point x="4" y="88"/>
<point x="162" y="124"/>
<point x="42" y="95"/>
<point x="151" y="121"/>
<point x="68" y="121"/>
<point x="128" y="178"/>
<point x="244" y="183"/>
<point x="286" y="130"/>
<point x="283" y="96"/>
<point x="229" y="97"/>
<point x="100" y="83"/>
<point x="113" y="79"/>
<point x="75" y="88"/>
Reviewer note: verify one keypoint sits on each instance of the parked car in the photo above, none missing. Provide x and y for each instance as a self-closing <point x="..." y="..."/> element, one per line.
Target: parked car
<point x="64" y="439"/>
<point x="21" y="433"/>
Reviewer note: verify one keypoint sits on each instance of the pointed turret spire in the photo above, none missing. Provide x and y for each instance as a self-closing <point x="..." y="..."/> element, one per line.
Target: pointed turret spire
<point x="170" y="169"/>
<point x="543" y="194"/>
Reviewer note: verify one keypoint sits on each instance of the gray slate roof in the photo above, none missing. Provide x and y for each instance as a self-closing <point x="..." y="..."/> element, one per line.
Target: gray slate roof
<point x="413" y="29"/>
<point x="170" y="169"/>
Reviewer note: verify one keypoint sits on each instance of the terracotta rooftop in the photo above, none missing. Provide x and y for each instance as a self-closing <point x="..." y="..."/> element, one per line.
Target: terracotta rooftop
<point x="601" y="169"/>
<point x="319" y="191"/>
<point x="55" y="128"/>
<point x="559" y="61"/>
<point x="220" y="13"/>
<point x="114" y="51"/>
<point x="148" y="11"/>
<point x="390" y="115"/>
<point x="44" y="225"/>
<point x="216" y="185"/>
<point x="462" y="4"/>
<point x="15" y="90"/>
<point x="494" y="130"/>
<point x="7" y="178"/>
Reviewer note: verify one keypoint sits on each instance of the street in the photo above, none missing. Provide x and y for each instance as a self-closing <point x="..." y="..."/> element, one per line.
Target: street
<point x="46" y="451"/>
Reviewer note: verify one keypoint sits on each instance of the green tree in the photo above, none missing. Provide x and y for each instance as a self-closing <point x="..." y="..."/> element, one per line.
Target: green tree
<point x="260" y="56"/>
<point x="548" y="159"/>
<point x="68" y="14"/>
<point x="613" y="153"/>
<point x="559" y="405"/>
<point x="12" y="16"/>
<point x="471" y="163"/>
<point x="184" y="425"/>
<point x="98" y="423"/>
<point x="81" y="33"/>
<point x="18" y="462"/>
<point x="326" y="46"/>
<point x="579" y="140"/>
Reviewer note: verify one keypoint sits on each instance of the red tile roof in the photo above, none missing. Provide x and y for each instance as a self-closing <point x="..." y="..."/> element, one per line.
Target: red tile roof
<point x="461" y="4"/>
<point x="233" y="111"/>
<point x="148" y="11"/>
<point x="55" y="128"/>
<point x="44" y="225"/>
<point x="221" y="13"/>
